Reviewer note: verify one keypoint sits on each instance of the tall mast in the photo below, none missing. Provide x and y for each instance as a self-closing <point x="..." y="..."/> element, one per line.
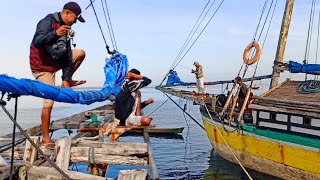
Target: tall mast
<point x="281" y="43"/>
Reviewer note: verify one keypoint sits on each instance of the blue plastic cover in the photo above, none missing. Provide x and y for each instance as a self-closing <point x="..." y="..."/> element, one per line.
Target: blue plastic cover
<point x="115" y="71"/>
<point x="174" y="80"/>
<point x="295" y="67"/>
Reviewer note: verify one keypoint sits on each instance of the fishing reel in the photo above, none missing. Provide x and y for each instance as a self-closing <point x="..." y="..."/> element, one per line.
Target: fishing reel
<point x="71" y="33"/>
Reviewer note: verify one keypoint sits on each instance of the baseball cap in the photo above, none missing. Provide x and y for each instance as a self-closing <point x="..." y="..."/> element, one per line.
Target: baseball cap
<point x="75" y="8"/>
<point x="135" y="71"/>
<point x="196" y="62"/>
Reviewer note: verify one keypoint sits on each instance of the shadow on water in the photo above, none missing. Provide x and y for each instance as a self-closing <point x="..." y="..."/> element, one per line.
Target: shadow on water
<point x="222" y="169"/>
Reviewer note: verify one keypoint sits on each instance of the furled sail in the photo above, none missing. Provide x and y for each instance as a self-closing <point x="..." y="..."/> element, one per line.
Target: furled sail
<point x="174" y="80"/>
<point x="115" y="70"/>
<point x="295" y="67"/>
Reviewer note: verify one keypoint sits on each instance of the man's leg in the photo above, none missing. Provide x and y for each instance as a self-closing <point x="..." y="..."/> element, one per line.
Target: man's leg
<point x="198" y="85"/>
<point x="78" y="56"/>
<point x="47" y="78"/>
<point x="201" y="84"/>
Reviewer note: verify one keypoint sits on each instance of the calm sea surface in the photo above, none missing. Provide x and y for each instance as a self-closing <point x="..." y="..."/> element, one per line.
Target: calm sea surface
<point x="189" y="156"/>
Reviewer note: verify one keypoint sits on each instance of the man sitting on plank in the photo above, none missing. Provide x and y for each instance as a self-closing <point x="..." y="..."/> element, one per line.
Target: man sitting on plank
<point x="128" y="102"/>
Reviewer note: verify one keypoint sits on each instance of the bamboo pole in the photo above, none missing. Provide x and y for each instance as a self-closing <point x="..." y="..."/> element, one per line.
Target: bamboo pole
<point x="228" y="100"/>
<point x="243" y="108"/>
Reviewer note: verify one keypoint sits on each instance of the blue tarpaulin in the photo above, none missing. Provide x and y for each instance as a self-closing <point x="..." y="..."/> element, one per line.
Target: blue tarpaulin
<point x="115" y="70"/>
<point x="174" y="80"/>
<point x="295" y="67"/>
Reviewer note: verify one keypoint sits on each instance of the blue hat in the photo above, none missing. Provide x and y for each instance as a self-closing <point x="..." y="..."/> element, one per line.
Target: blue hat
<point x="75" y="8"/>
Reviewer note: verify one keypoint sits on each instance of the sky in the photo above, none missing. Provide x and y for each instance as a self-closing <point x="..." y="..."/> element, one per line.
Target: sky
<point x="150" y="33"/>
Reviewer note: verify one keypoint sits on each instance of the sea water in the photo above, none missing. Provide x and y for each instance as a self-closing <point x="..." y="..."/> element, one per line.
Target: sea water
<point x="189" y="156"/>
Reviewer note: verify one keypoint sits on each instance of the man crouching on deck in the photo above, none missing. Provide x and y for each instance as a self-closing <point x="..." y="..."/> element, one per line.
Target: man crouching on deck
<point x="128" y="102"/>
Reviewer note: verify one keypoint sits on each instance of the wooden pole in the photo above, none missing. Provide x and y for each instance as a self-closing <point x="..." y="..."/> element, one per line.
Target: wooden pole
<point x="228" y="100"/>
<point x="62" y="150"/>
<point x="281" y="43"/>
<point x="244" y="105"/>
<point x="235" y="99"/>
<point x="30" y="152"/>
<point x="152" y="165"/>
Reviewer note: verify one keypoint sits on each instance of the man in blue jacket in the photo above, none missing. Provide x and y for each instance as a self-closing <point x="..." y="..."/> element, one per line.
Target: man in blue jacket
<point x="50" y="51"/>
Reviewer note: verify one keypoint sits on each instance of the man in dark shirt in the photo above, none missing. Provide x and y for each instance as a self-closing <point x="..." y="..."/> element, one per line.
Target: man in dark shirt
<point x="50" y="51"/>
<point x="128" y="102"/>
<point x="243" y="91"/>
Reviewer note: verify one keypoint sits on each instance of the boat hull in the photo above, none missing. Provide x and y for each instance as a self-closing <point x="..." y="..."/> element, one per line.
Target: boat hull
<point x="262" y="154"/>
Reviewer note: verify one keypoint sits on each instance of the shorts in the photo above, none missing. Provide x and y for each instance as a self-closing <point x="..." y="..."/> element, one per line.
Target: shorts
<point x="49" y="77"/>
<point x="134" y="120"/>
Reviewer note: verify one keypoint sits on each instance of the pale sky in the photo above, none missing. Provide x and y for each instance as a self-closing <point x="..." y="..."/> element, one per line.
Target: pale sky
<point x="151" y="34"/>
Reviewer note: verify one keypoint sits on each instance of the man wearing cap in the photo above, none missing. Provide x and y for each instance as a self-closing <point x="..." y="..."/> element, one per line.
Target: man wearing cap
<point x="50" y="51"/>
<point x="199" y="75"/>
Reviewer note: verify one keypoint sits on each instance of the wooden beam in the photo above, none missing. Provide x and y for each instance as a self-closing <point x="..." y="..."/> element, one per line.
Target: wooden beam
<point x="62" y="151"/>
<point x="47" y="173"/>
<point x="110" y="153"/>
<point x="132" y="175"/>
<point x="30" y="152"/>
<point x="152" y="164"/>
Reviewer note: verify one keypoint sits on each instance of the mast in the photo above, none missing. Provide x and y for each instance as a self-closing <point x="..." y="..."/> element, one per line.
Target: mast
<point x="281" y="43"/>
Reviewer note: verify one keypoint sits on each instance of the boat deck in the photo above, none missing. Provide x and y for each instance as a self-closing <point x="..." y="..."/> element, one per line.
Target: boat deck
<point x="288" y="90"/>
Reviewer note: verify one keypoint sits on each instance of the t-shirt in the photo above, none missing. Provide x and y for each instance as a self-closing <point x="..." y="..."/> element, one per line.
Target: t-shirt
<point x="126" y="98"/>
<point x="199" y="72"/>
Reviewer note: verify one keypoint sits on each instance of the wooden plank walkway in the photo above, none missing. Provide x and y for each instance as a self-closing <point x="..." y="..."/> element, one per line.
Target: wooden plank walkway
<point x="88" y="147"/>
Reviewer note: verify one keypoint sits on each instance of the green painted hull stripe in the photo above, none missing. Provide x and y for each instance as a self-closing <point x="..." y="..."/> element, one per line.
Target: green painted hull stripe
<point x="310" y="142"/>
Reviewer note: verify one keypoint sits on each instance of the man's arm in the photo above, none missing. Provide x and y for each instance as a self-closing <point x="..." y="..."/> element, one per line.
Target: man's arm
<point x="45" y="35"/>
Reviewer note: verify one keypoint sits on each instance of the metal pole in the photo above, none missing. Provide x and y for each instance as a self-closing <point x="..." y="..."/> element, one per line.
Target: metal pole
<point x="13" y="137"/>
<point x="281" y="43"/>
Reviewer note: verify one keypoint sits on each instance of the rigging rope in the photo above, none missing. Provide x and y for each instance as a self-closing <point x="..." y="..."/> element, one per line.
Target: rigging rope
<point x="110" y="31"/>
<point x="306" y="54"/>
<point x="199" y="34"/>
<point x="104" y="39"/>
<point x="193" y="31"/>
<point x="194" y="41"/>
<point x="316" y="61"/>
<point x="105" y="17"/>
<point x="243" y="168"/>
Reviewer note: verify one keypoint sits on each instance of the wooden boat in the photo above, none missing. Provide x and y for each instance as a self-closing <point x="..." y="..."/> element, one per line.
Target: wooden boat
<point x="77" y="149"/>
<point x="283" y="139"/>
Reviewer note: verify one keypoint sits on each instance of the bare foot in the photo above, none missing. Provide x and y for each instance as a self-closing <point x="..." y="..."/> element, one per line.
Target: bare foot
<point x="76" y="83"/>
<point x="48" y="144"/>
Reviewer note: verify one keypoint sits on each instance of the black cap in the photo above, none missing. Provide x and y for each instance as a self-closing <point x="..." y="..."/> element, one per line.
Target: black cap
<point x="135" y="71"/>
<point x="75" y="8"/>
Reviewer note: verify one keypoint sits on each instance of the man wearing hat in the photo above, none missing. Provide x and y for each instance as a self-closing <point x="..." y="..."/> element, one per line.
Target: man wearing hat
<point x="199" y="75"/>
<point x="50" y="51"/>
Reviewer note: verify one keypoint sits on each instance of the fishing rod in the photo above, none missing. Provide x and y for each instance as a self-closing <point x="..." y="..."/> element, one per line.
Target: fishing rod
<point x="184" y="111"/>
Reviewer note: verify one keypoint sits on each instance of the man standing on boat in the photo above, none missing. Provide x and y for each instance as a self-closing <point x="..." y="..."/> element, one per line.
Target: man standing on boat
<point x="50" y="51"/>
<point x="128" y="102"/>
<point x="199" y="75"/>
<point x="242" y="92"/>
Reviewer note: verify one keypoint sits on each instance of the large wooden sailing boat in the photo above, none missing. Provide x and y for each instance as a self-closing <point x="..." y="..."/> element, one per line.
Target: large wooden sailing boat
<point x="284" y="138"/>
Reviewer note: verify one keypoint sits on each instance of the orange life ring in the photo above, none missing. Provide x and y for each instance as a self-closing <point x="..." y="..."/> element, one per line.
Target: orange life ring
<point x="256" y="56"/>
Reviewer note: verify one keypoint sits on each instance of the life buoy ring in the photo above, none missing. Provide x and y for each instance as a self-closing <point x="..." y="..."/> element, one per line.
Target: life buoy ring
<point x="256" y="56"/>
